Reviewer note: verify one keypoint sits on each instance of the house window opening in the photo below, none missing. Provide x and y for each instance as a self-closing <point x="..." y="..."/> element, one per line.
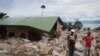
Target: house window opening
<point x="23" y="35"/>
<point x="12" y="34"/>
<point x="34" y="36"/>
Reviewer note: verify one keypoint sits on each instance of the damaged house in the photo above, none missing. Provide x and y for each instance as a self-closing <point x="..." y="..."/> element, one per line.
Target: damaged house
<point x="30" y="27"/>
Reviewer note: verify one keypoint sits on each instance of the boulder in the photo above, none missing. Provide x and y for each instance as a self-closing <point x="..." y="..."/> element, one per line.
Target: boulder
<point x="12" y="41"/>
<point x="79" y="46"/>
<point x="28" y="45"/>
<point x="26" y="40"/>
<point x="4" y="46"/>
<point x="76" y="53"/>
<point x="41" y="44"/>
<point x="46" y="50"/>
<point x="55" y="53"/>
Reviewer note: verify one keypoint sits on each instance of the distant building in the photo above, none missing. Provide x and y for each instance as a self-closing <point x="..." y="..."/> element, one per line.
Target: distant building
<point x="30" y="27"/>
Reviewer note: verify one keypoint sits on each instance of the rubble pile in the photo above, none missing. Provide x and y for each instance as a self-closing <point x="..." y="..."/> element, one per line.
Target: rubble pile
<point x="98" y="44"/>
<point x="24" y="47"/>
<point x="44" y="47"/>
<point x="98" y="40"/>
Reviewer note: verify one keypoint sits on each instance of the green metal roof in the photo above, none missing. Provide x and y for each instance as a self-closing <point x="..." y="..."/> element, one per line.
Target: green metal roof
<point x="42" y="23"/>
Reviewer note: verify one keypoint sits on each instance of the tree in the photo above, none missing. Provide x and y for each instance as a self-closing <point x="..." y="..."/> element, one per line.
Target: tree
<point x="88" y="29"/>
<point x="69" y="26"/>
<point x="78" y="25"/>
<point x="2" y="14"/>
<point x="43" y="7"/>
<point x="84" y="29"/>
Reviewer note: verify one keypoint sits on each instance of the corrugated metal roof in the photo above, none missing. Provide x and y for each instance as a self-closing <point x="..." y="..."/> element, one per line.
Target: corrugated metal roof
<point x="42" y="23"/>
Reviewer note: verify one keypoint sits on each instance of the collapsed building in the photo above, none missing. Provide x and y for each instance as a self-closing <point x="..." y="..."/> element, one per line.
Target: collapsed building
<point x="30" y="27"/>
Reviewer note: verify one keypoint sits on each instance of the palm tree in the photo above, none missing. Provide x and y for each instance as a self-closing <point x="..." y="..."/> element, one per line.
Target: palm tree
<point x="43" y="7"/>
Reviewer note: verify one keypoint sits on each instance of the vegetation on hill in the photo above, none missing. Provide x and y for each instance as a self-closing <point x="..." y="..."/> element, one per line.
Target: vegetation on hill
<point x="2" y="15"/>
<point x="70" y="26"/>
<point x="98" y="28"/>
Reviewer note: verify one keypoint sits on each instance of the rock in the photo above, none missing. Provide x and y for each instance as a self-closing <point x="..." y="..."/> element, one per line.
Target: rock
<point x="42" y="44"/>
<point x="63" y="53"/>
<point x="4" y="51"/>
<point x="36" y="48"/>
<point x="28" y="45"/>
<point x="12" y="41"/>
<point x="46" y="50"/>
<point x="93" y="46"/>
<point x="53" y="42"/>
<point x="1" y="41"/>
<point x="24" y="47"/>
<point x="30" y="53"/>
<point x="79" y="46"/>
<point x="45" y="39"/>
<point x="56" y="41"/>
<point x="58" y="49"/>
<point x="26" y="40"/>
<point x="98" y="44"/>
<point x="55" y="53"/>
<point x="5" y="46"/>
<point x="76" y="53"/>
<point x="98" y="39"/>
<point x="60" y="45"/>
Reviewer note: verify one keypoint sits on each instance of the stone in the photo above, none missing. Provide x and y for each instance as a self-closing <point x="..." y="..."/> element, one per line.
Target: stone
<point x="79" y="46"/>
<point x="63" y="53"/>
<point x="58" y="49"/>
<point x="28" y="45"/>
<point x="55" y="53"/>
<point x="26" y="40"/>
<point x="36" y="48"/>
<point x="41" y="44"/>
<point x="12" y="41"/>
<point x="5" y="46"/>
<point x="44" y="39"/>
<point x="76" y="53"/>
<point x="46" y="50"/>
<point x="4" y="51"/>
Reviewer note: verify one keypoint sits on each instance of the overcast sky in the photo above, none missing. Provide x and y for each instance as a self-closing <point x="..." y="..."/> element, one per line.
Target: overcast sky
<point x="66" y="9"/>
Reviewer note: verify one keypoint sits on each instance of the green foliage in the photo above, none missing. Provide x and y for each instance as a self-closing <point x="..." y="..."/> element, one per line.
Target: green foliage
<point x="98" y="28"/>
<point x="69" y="27"/>
<point x="43" y="6"/>
<point x="78" y="25"/>
<point x="84" y="29"/>
<point x="88" y="29"/>
<point x="2" y="14"/>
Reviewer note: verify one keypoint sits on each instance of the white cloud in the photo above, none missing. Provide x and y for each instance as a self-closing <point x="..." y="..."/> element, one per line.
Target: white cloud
<point x="67" y="9"/>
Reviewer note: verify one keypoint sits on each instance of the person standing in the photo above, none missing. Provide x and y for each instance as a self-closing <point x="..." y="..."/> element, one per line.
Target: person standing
<point x="71" y="42"/>
<point x="88" y="39"/>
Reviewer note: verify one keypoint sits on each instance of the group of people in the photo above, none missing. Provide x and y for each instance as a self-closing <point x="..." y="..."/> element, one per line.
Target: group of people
<point x="88" y="38"/>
